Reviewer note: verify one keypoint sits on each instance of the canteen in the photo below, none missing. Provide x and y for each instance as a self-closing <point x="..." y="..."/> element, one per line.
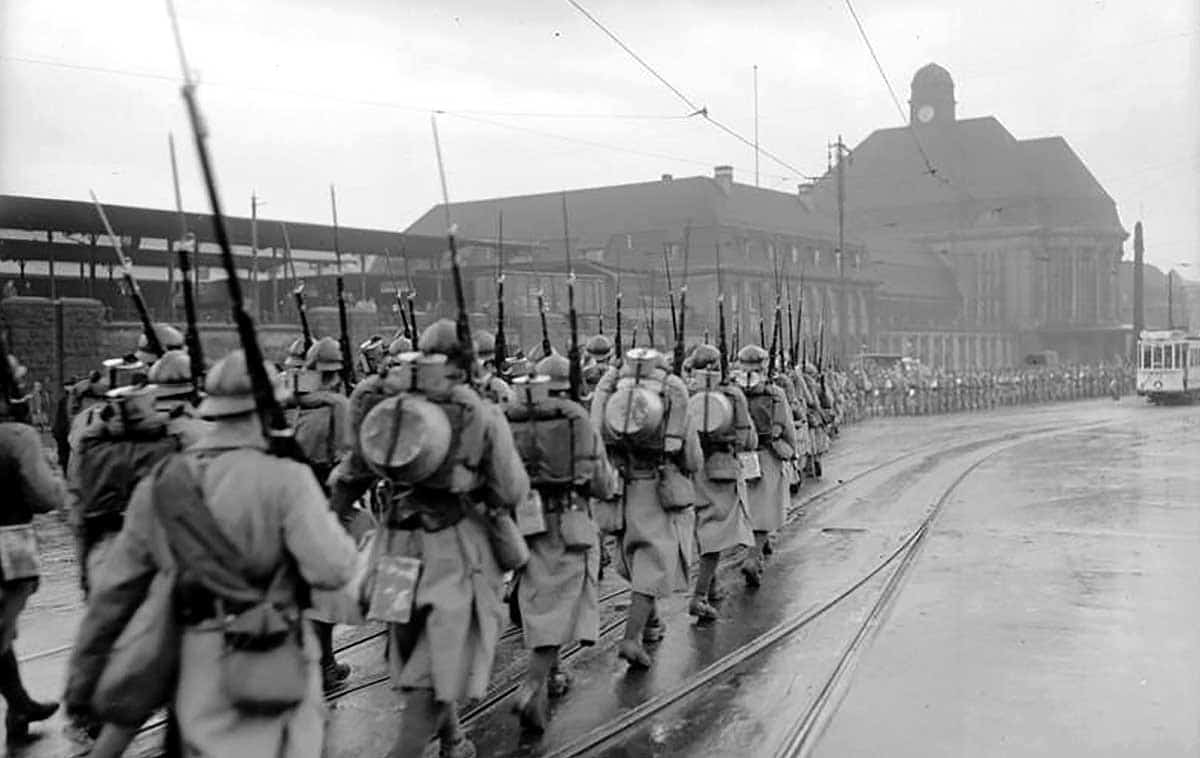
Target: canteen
<point x="406" y="438"/>
<point x="710" y="412"/>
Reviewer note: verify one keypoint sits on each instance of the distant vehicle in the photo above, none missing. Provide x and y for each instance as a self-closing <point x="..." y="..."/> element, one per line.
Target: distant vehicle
<point x="1168" y="366"/>
<point x="1042" y="358"/>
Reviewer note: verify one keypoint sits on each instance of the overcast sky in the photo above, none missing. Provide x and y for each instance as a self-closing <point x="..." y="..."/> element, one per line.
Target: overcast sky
<point x="300" y="93"/>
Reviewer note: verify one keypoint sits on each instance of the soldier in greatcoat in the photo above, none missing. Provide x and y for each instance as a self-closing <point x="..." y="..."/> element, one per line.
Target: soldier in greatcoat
<point x="722" y="516"/>
<point x="656" y="540"/>
<point x="274" y="514"/>
<point x="557" y="590"/>
<point x="317" y="412"/>
<point x="443" y="653"/>
<point x="31" y="486"/>
<point x="487" y="379"/>
<point x="768" y="493"/>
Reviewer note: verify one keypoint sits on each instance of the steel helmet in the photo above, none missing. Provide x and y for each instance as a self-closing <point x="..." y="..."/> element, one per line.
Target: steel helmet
<point x="706" y="357"/>
<point x="324" y="355"/>
<point x="440" y="337"/>
<point x="485" y="344"/>
<point x="599" y="347"/>
<point x="168" y="336"/>
<point x="557" y="370"/>
<point x="228" y="389"/>
<point x="752" y="356"/>
<point x="171" y="375"/>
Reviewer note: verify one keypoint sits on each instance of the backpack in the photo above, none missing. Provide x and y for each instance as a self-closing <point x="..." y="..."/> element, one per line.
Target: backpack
<point x="555" y="441"/>
<point x="314" y="429"/>
<point x="647" y="407"/>
<point x="110" y="465"/>
<point x="762" y="413"/>
<point x="263" y="668"/>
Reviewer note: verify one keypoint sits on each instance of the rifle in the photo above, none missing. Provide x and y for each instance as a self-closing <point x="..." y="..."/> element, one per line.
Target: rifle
<point x="679" y="334"/>
<point x="410" y="296"/>
<point x="617" y="340"/>
<point x="298" y="289"/>
<point x="546" y="347"/>
<point x="776" y="333"/>
<point x="575" y="373"/>
<point x="152" y="343"/>
<point x="348" y="380"/>
<point x="501" y="339"/>
<point x="670" y="293"/>
<point x="192" y="338"/>
<point x="282" y="440"/>
<point x="722" y="344"/>
<point x="387" y="261"/>
<point x="462" y="323"/>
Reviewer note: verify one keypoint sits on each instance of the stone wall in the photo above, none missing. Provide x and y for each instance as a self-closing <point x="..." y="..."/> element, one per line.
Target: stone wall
<point x="86" y="339"/>
<point x="51" y="353"/>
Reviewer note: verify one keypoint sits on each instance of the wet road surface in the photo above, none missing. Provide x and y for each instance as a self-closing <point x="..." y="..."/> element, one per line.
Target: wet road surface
<point x="1065" y="564"/>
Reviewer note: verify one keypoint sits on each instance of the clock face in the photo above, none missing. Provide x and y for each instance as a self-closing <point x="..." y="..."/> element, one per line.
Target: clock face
<point x="925" y="113"/>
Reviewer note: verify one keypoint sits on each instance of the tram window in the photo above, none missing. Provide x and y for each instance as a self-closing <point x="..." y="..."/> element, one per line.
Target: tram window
<point x="1146" y="353"/>
<point x="1156" y="356"/>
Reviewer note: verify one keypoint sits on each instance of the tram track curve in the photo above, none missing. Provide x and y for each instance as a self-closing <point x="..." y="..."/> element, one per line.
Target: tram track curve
<point x="800" y="736"/>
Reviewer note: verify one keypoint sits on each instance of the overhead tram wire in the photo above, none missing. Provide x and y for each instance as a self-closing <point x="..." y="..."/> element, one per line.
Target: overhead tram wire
<point x="929" y="167"/>
<point x="697" y="110"/>
<point x="601" y="145"/>
<point x="388" y="104"/>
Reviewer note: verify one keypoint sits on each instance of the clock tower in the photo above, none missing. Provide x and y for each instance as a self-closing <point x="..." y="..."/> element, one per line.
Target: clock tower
<point x="932" y="99"/>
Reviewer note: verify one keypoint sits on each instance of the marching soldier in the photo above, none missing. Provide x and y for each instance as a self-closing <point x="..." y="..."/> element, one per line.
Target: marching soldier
<point x="656" y="451"/>
<point x="265" y="513"/>
<point x="488" y="382"/>
<point x="456" y="476"/>
<point x="556" y="593"/>
<point x="600" y="353"/>
<point x="318" y="414"/>
<point x="138" y="427"/>
<point x="370" y="355"/>
<point x="767" y="487"/>
<point x="169" y="338"/>
<point x="31" y="487"/>
<point x="719" y="411"/>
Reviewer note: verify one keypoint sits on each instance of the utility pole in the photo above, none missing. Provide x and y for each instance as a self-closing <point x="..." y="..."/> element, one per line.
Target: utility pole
<point x="1170" y="300"/>
<point x="755" y="124"/>
<point x="254" y="257"/>
<point x="1139" y="305"/>
<point x="843" y="301"/>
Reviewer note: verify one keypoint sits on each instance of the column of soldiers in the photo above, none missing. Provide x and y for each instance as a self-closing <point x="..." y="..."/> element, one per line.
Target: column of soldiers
<point x="914" y="391"/>
<point x="511" y="486"/>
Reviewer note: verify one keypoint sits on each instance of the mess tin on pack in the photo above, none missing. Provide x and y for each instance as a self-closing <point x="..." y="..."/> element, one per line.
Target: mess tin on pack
<point x="635" y="409"/>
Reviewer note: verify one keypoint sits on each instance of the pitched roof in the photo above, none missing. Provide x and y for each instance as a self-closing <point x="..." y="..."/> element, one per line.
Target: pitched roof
<point x="978" y="168"/>
<point x="652" y="211"/>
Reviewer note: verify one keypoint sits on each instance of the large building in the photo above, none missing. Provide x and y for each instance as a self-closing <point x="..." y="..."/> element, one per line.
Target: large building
<point x="987" y="247"/>
<point x="765" y="242"/>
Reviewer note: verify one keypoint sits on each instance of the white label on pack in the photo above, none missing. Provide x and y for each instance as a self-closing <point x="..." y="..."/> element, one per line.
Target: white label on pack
<point x="531" y="515"/>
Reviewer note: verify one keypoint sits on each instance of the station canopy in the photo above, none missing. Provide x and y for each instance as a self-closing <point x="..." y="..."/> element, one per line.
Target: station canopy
<point x="78" y="220"/>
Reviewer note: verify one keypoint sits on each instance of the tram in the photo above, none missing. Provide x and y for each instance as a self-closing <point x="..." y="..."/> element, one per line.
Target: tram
<point x="1168" y="366"/>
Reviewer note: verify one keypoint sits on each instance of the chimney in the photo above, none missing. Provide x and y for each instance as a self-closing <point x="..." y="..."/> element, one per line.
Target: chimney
<point x="667" y="178"/>
<point x="724" y="177"/>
